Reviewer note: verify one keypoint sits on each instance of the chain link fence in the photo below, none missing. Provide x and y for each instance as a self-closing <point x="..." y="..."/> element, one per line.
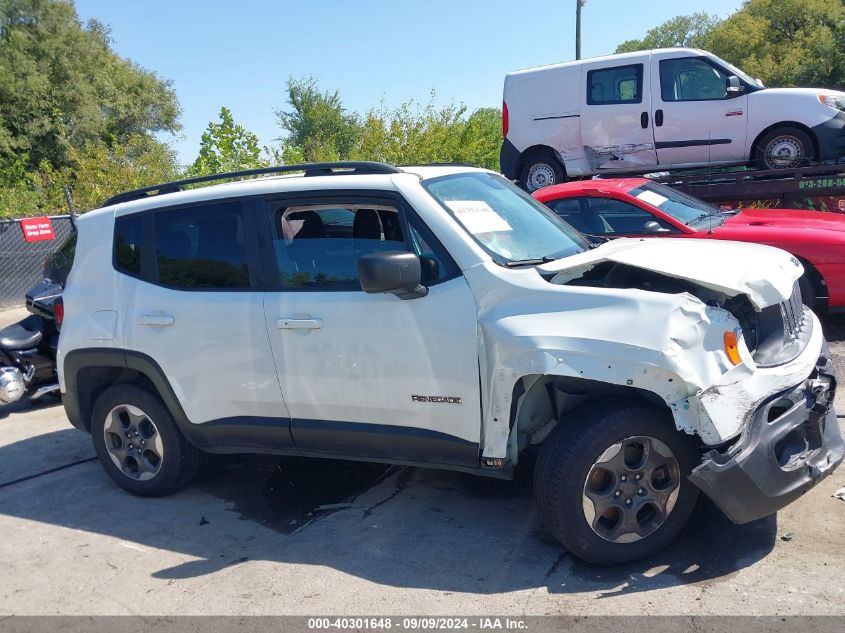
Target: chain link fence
<point x="22" y="262"/>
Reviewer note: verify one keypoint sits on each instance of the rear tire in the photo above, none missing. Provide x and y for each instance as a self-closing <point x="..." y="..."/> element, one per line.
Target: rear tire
<point x="784" y="148"/>
<point x="138" y="443"/>
<point x="632" y="517"/>
<point x="541" y="169"/>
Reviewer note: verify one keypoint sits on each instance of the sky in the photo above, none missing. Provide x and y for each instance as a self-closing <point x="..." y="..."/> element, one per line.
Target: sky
<point x="239" y="54"/>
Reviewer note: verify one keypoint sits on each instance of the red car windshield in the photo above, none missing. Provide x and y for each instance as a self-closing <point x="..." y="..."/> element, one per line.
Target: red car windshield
<point x="680" y="206"/>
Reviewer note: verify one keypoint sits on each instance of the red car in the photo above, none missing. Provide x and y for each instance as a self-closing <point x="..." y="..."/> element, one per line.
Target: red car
<point x="638" y="207"/>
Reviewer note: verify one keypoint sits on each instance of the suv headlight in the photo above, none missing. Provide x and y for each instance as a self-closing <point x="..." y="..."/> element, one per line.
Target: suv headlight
<point x="834" y="101"/>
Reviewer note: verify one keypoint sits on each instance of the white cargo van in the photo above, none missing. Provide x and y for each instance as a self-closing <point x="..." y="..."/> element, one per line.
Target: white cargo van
<point x="673" y="107"/>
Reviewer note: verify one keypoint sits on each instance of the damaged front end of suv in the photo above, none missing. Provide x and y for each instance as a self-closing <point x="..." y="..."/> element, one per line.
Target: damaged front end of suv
<point x="769" y="419"/>
<point x="729" y="349"/>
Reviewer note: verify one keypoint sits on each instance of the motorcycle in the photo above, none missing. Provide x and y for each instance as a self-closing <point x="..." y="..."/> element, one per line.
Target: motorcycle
<point x="28" y="347"/>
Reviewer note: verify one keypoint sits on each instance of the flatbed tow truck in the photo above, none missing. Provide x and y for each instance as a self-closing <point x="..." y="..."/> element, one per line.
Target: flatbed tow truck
<point x="818" y="187"/>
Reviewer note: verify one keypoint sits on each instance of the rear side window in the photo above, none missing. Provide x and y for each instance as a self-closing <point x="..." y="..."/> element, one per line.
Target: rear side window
<point x="617" y="85"/>
<point x="202" y="246"/>
<point x="127" y="244"/>
<point x="59" y="264"/>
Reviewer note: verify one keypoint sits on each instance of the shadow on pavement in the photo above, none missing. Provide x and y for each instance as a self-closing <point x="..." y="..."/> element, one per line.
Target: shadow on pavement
<point x="403" y="527"/>
<point x="25" y="404"/>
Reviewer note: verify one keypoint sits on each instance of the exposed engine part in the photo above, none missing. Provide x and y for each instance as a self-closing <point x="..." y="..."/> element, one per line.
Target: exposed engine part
<point x="773" y="335"/>
<point x="12" y="385"/>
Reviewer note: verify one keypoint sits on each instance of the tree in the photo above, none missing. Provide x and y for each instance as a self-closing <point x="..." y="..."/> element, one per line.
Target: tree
<point x="318" y="126"/>
<point x="409" y="134"/>
<point x="226" y="146"/>
<point x="102" y="170"/>
<point x="683" y="30"/>
<point x="783" y="42"/>
<point x="94" y="173"/>
<point x="62" y="87"/>
<point x="786" y="42"/>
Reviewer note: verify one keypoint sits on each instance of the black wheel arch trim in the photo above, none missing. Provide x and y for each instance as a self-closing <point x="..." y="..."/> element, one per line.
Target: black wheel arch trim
<point x="811" y="132"/>
<point x="76" y="404"/>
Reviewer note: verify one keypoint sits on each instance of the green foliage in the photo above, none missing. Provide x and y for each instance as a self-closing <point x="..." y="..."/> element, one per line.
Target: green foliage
<point x="74" y="113"/>
<point x="320" y="128"/>
<point x="226" y="146"/>
<point x="786" y="42"/>
<point x="62" y="88"/>
<point x="103" y="170"/>
<point x="683" y="30"/>
<point x="93" y="174"/>
<point x="783" y="42"/>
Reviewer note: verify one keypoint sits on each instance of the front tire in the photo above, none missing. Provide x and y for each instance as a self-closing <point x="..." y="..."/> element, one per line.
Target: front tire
<point x="611" y="482"/>
<point x="138" y="443"/>
<point x="541" y="169"/>
<point x="784" y="148"/>
<point x="808" y="291"/>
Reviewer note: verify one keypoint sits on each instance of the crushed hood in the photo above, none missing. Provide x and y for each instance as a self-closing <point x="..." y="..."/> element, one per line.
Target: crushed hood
<point x="763" y="273"/>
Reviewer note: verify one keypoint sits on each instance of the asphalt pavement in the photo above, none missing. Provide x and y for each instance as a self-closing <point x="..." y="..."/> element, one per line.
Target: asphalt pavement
<point x="264" y="535"/>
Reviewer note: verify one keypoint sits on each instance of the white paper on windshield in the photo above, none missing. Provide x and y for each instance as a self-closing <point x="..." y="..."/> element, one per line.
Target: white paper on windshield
<point x="478" y="216"/>
<point x="651" y="197"/>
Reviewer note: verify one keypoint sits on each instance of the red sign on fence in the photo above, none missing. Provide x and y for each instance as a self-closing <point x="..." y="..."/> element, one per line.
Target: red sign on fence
<point x="37" y="229"/>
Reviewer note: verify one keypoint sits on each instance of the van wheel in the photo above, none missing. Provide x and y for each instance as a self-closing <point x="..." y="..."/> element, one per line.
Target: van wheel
<point x="611" y="482"/>
<point x="784" y="148"/>
<point x="138" y="443"/>
<point x="541" y="169"/>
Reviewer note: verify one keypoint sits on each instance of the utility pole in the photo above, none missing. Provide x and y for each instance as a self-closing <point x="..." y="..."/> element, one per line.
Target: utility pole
<point x="578" y="6"/>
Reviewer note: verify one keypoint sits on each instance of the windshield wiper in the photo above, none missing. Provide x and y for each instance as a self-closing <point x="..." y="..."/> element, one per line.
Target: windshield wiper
<point x="529" y="262"/>
<point x="703" y="216"/>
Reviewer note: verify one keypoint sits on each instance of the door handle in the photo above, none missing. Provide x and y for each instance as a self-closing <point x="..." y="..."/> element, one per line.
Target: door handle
<point x="299" y="324"/>
<point x="644" y="120"/>
<point x="161" y="320"/>
<point x="658" y="117"/>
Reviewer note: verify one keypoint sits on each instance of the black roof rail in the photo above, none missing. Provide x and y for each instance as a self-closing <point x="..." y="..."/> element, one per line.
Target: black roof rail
<point x="357" y="167"/>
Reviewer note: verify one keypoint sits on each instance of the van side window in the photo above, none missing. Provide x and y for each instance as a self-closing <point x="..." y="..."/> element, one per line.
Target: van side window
<point x="691" y="79"/>
<point x="620" y="84"/>
<point x="202" y="246"/>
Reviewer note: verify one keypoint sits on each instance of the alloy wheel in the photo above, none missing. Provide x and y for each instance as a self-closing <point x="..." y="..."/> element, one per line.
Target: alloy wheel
<point x="631" y="489"/>
<point x="133" y="442"/>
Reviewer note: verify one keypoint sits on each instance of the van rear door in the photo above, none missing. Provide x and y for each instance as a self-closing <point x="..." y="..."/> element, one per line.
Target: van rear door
<point x="616" y="126"/>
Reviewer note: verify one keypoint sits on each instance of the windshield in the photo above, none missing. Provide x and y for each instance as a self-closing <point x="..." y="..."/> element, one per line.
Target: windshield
<point x="736" y="71"/>
<point x="508" y="223"/>
<point x="680" y="206"/>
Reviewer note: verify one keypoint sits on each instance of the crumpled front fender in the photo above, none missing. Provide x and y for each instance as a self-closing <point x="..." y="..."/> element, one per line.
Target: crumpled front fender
<point x="670" y="345"/>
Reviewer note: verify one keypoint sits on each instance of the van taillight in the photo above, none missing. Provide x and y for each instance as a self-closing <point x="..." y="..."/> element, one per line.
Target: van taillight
<point x="505" y="122"/>
<point x="59" y="311"/>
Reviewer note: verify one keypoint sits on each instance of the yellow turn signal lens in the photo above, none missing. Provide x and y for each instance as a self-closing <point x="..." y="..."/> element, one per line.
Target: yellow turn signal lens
<point x="731" y="348"/>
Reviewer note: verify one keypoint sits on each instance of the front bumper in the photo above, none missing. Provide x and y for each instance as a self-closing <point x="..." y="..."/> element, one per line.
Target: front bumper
<point x="831" y="138"/>
<point x="791" y="442"/>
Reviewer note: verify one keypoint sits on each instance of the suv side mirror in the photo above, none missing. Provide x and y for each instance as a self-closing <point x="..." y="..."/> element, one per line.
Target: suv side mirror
<point x="396" y="272"/>
<point x="734" y="87"/>
<point x="651" y="227"/>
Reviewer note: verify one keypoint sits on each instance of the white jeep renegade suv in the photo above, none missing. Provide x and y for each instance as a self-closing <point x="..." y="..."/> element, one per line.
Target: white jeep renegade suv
<point x="438" y="316"/>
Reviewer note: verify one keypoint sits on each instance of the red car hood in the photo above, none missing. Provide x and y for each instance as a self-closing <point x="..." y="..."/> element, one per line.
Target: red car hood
<point x="787" y="219"/>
